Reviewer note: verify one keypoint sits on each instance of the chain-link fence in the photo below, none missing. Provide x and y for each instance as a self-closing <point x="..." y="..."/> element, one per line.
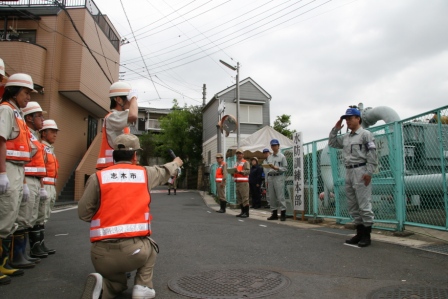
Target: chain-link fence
<point x="409" y="188"/>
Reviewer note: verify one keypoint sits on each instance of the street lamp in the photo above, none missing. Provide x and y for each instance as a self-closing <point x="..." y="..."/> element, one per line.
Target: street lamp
<point x="237" y="69"/>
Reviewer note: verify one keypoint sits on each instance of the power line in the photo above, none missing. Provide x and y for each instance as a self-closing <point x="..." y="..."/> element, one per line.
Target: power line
<point x="144" y="62"/>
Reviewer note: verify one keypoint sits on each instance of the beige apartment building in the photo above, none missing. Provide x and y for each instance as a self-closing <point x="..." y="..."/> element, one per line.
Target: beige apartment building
<point x="72" y="53"/>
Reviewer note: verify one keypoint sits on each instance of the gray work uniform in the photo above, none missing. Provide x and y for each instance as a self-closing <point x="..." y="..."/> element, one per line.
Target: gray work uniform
<point x="360" y="157"/>
<point x="276" y="181"/>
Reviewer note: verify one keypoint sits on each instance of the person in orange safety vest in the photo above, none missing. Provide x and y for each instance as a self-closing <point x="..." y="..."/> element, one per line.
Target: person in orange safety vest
<point x="116" y="201"/>
<point x="241" y="178"/>
<point x="124" y="110"/>
<point x="220" y="179"/>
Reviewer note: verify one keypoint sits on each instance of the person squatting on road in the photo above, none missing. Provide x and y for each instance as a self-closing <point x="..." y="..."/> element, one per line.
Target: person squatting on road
<point x="220" y="180"/>
<point x="116" y="202"/>
<point x="255" y="180"/>
<point x="15" y="152"/>
<point x="360" y="160"/>
<point x="241" y="178"/>
<point x="276" y="181"/>
<point x="124" y="110"/>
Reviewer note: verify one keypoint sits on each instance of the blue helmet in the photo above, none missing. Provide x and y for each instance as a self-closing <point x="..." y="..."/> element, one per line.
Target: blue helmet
<point x="275" y="142"/>
<point x="266" y="150"/>
<point x="350" y="112"/>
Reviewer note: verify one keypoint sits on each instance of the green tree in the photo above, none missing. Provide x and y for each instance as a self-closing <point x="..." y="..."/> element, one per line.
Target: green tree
<point x="281" y="125"/>
<point x="182" y="132"/>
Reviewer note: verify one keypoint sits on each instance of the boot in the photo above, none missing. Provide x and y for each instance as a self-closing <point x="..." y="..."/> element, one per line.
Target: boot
<point x="245" y="212"/>
<point x="4" y="279"/>
<point x="283" y="215"/>
<point x="169" y="191"/>
<point x="174" y="191"/>
<point x="274" y="215"/>
<point x="5" y="268"/>
<point x="223" y="205"/>
<point x="42" y="242"/>
<point x="365" y="239"/>
<point x="355" y="239"/>
<point x="17" y="258"/>
<point x="25" y="252"/>
<point x="242" y="212"/>
<point x="35" y="248"/>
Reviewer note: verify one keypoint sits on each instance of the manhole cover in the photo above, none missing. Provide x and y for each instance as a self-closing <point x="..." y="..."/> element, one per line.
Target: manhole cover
<point x="409" y="292"/>
<point x="230" y="284"/>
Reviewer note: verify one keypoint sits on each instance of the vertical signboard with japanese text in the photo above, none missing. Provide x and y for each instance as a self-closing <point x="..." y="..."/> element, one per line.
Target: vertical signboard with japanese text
<point x="298" y="171"/>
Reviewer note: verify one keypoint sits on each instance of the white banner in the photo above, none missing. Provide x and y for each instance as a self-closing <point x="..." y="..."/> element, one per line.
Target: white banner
<point x="298" y="171"/>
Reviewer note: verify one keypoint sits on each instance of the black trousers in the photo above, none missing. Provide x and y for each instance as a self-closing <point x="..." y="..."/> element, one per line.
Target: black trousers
<point x="256" y="194"/>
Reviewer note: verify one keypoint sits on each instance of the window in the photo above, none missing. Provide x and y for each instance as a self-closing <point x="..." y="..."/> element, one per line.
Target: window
<point x="251" y="114"/>
<point x="209" y="157"/>
<point x="141" y="124"/>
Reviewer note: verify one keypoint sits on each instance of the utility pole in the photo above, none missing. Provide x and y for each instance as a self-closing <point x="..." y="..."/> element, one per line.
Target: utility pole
<point x="204" y="94"/>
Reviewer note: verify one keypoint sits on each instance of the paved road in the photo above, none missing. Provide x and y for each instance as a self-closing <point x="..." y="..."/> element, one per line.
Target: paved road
<point x="194" y="239"/>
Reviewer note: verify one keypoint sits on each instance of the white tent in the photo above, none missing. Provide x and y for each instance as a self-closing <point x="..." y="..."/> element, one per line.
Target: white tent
<point x="261" y="139"/>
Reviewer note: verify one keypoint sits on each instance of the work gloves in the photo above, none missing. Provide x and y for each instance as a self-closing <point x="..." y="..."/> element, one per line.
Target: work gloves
<point x="43" y="194"/>
<point x="4" y="183"/>
<point x="26" y="193"/>
<point x="132" y="93"/>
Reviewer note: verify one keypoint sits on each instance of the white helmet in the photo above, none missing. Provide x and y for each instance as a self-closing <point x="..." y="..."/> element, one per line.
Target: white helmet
<point x="20" y="79"/>
<point x="32" y="107"/>
<point x="2" y="67"/>
<point x="49" y="124"/>
<point x="119" y="89"/>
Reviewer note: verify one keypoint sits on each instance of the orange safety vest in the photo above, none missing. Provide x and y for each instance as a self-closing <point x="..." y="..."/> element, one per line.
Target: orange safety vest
<point x="52" y="167"/>
<point x="240" y="178"/>
<point x="19" y="148"/>
<point x="124" y="210"/>
<point x="37" y="165"/>
<point x="219" y="173"/>
<point x="105" y="158"/>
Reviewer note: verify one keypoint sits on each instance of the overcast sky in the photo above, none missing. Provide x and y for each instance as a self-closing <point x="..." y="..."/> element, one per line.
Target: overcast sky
<point x="314" y="57"/>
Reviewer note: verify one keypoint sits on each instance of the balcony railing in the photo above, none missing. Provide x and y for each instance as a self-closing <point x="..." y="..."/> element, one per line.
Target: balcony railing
<point x="88" y="4"/>
<point x="153" y="124"/>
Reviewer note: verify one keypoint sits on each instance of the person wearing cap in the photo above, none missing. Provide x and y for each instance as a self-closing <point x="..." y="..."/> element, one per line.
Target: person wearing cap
<point x="116" y="201"/>
<point x="276" y="181"/>
<point x="15" y="152"/>
<point x="172" y="182"/>
<point x="255" y="179"/>
<point x="266" y="154"/>
<point x="220" y="180"/>
<point x="360" y="160"/>
<point x="124" y="110"/>
<point x="241" y="178"/>
<point x="48" y="135"/>
<point x="34" y="173"/>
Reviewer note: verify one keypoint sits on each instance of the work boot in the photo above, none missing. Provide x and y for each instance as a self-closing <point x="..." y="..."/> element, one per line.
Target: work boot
<point x="174" y="191"/>
<point x="25" y="252"/>
<point x="245" y="212"/>
<point x="93" y="286"/>
<point x="35" y="248"/>
<point x="42" y="242"/>
<point x="356" y="238"/>
<point x="242" y="211"/>
<point x="223" y="207"/>
<point x="274" y="215"/>
<point x="169" y="191"/>
<point x="5" y="267"/>
<point x="365" y="239"/>
<point x="4" y="279"/>
<point x="283" y="215"/>
<point x="17" y="258"/>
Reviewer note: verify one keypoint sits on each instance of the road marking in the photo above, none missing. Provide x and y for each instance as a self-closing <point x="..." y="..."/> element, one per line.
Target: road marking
<point x="263" y="225"/>
<point x="208" y="212"/>
<point x="57" y="235"/>
<point x="63" y="210"/>
<point x="241" y="220"/>
<point x="355" y="246"/>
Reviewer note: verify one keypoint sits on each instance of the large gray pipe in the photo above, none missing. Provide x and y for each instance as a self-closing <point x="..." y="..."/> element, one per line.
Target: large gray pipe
<point x="371" y="115"/>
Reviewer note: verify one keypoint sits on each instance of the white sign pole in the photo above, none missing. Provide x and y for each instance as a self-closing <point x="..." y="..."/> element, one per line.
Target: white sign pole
<point x="298" y="173"/>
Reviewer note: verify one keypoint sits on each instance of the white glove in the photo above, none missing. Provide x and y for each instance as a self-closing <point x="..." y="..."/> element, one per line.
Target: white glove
<point x="26" y="193"/>
<point x="43" y="194"/>
<point x="4" y="183"/>
<point x="132" y="93"/>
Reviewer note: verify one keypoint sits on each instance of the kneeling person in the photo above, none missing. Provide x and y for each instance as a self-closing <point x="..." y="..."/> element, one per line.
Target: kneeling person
<point x="116" y="202"/>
